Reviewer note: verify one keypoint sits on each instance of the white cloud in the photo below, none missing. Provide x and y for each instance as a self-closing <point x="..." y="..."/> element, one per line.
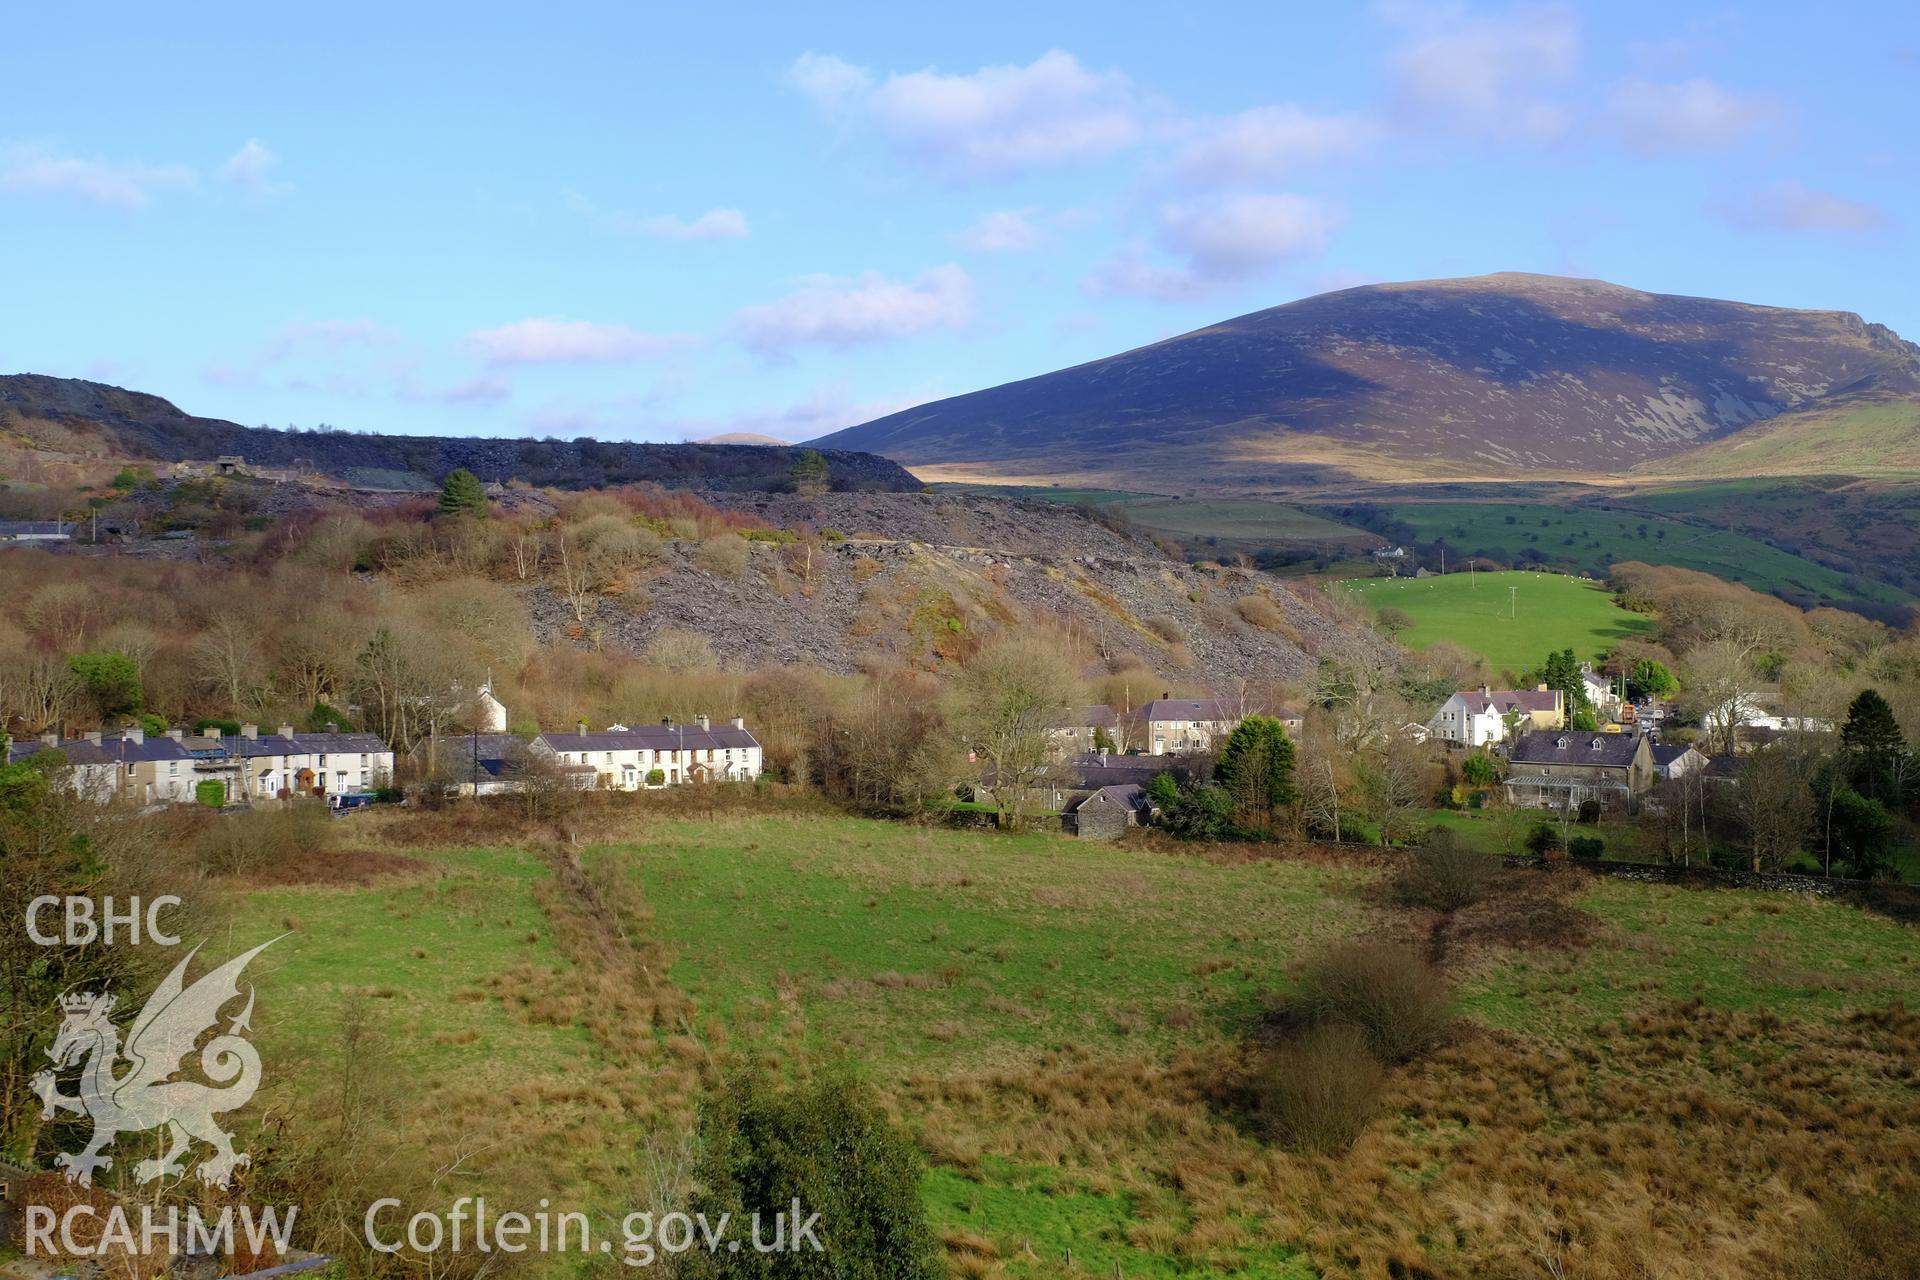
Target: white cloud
<point x="995" y="121"/>
<point x="714" y="224"/>
<point x="1794" y="206"/>
<point x="32" y="169"/>
<point x="1485" y="74"/>
<point x="836" y="312"/>
<point x="549" y="340"/>
<point x="1267" y="144"/>
<point x="1230" y="238"/>
<point x="330" y="341"/>
<point x="833" y="83"/>
<point x="251" y="169"/>
<point x="481" y="390"/>
<point x="1220" y="242"/>
<point x="1693" y="115"/>
<point x="1002" y="231"/>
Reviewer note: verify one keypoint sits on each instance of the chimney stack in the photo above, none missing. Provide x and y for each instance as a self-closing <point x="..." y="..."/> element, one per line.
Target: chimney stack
<point x="705" y="722"/>
<point x="583" y="725"/>
<point x="51" y="737"/>
<point x="285" y="731"/>
<point x="739" y="722"/>
<point x="176" y="734"/>
<point x="134" y="733"/>
<point x="93" y="737"/>
<point x="250" y="732"/>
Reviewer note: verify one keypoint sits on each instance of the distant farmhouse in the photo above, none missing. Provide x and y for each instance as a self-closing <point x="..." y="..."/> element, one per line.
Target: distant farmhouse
<point x="1481" y="717"/>
<point x="1563" y="770"/>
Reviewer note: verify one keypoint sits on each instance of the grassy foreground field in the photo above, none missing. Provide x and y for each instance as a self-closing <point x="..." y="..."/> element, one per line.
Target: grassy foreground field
<point x="1512" y="619"/>
<point x="1642" y="1075"/>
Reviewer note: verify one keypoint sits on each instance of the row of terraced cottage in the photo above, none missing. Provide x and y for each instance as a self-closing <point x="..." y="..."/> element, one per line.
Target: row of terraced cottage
<point x="347" y="768"/>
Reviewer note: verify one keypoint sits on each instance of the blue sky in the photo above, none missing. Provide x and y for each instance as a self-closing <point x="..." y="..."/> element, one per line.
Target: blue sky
<point x="660" y="222"/>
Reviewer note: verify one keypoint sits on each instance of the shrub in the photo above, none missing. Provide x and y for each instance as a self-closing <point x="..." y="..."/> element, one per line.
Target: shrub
<point x="286" y="835"/>
<point x="1479" y="770"/>
<point x="1544" y="840"/>
<point x="829" y="1144"/>
<point x="1260" y="611"/>
<point x="1165" y="628"/>
<point x="656" y="777"/>
<point x="722" y="557"/>
<point x="1443" y="875"/>
<point x="1586" y="846"/>
<point x="1589" y="812"/>
<point x="1385" y="990"/>
<point x="1317" y="1093"/>
<point x="831" y="534"/>
<point x="210" y="792"/>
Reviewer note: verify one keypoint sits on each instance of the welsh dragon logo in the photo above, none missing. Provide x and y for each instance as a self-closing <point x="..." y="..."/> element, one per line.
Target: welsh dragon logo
<point x="145" y="1096"/>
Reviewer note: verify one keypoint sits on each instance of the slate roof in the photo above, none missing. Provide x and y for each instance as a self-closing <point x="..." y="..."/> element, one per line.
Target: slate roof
<point x="1165" y="709"/>
<point x="346" y="743"/>
<point x="114" y="750"/>
<point x="1092" y="770"/>
<point x="1566" y="746"/>
<point x="658" y="737"/>
<point x="1500" y="701"/>
<point x="1130" y="794"/>
<point x="1665" y="753"/>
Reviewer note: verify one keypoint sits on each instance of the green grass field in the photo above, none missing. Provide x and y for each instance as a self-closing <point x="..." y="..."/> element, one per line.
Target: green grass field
<point x="1044" y="1016"/>
<point x="1513" y="619"/>
<point x="1590" y="537"/>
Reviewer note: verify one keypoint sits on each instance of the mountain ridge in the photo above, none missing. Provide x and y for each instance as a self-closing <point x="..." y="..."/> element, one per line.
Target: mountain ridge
<point x="1473" y="377"/>
<point x="75" y="415"/>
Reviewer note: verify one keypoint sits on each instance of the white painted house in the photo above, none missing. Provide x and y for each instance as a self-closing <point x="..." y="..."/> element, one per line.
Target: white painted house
<point x="625" y="759"/>
<point x="1481" y="717"/>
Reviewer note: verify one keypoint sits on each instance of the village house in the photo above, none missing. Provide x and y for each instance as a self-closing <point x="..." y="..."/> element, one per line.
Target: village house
<point x="1081" y="774"/>
<point x="1565" y="769"/>
<point x="1599" y="689"/>
<point x="1107" y="813"/>
<point x="1170" y="726"/>
<point x="284" y="763"/>
<point x="626" y="759"/>
<point x="167" y="769"/>
<point x="1483" y="716"/>
<point x="1080" y="729"/>
<point x="483" y="764"/>
<point x="105" y="768"/>
<point x="1675" y="760"/>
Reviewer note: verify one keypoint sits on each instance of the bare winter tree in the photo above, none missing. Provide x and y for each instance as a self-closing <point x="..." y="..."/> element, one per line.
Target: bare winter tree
<point x="1720" y="683"/>
<point x="1007" y="702"/>
<point x="39" y="688"/>
<point x="1774" y="806"/>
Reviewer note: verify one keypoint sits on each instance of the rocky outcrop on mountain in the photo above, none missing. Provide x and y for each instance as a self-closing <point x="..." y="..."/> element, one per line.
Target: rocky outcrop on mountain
<point x="921" y="576"/>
